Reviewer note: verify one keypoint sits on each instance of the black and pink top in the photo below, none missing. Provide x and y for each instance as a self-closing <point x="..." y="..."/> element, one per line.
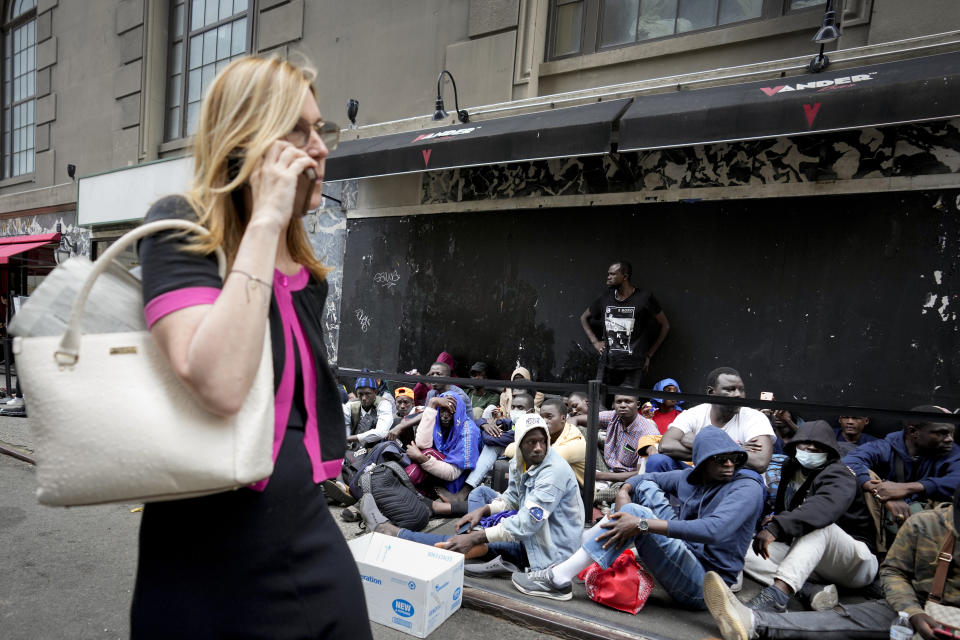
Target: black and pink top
<point x="306" y="393"/>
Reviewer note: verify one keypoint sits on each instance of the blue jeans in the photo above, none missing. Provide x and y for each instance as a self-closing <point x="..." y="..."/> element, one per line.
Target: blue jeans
<point x="669" y="560"/>
<point x="488" y="457"/>
<point x="661" y="462"/>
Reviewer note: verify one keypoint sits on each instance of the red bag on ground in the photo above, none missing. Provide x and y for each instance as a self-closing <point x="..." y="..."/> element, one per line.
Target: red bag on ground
<point x="625" y="586"/>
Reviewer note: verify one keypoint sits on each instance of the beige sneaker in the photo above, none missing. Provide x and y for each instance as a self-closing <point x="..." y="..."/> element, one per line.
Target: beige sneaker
<point x="734" y="619"/>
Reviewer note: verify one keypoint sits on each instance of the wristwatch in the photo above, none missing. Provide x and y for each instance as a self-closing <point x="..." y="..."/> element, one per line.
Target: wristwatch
<point x="642" y="526"/>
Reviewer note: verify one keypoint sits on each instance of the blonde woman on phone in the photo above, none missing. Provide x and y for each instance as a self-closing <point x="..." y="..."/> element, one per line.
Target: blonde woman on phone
<point x="266" y="561"/>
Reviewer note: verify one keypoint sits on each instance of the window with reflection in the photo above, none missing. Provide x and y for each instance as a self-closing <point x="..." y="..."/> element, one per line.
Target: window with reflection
<point x="19" y="87"/>
<point x="205" y="35"/>
<point x="585" y="26"/>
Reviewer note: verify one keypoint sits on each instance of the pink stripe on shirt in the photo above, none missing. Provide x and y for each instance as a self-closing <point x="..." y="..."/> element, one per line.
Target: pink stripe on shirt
<point x="171" y="301"/>
<point x="283" y="288"/>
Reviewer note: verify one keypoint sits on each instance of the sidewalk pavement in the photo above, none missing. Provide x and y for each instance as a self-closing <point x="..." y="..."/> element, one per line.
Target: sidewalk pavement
<point x="576" y="618"/>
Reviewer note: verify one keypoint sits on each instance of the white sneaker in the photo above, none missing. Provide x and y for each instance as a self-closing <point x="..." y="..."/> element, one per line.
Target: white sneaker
<point x="15" y="403"/>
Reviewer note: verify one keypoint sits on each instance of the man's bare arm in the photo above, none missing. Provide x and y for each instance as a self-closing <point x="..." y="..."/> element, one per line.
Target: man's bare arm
<point x="759" y="451"/>
<point x="672" y="445"/>
<point x="585" y="323"/>
<point x="664" y="330"/>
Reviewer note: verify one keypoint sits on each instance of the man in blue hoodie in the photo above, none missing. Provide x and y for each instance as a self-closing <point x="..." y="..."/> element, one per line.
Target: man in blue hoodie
<point x="720" y="503"/>
<point x="919" y="463"/>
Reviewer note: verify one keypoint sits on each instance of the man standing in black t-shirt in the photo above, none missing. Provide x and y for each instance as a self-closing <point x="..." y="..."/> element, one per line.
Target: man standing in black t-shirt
<point x="626" y="325"/>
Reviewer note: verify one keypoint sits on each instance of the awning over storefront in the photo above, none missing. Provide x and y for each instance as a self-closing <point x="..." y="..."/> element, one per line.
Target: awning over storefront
<point x="915" y="90"/>
<point x="14" y="245"/>
<point x="571" y="131"/>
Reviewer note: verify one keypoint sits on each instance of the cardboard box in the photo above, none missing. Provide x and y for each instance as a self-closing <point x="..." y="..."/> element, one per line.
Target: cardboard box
<point x="408" y="586"/>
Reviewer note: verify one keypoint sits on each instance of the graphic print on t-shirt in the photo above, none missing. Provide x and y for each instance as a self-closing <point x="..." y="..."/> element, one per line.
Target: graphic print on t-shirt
<point x="619" y="322"/>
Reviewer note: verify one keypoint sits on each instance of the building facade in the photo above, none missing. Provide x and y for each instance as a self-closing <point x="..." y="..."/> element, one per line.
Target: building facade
<point x="813" y="245"/>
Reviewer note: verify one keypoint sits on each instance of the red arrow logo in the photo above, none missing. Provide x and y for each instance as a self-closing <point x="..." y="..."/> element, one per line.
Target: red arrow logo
<point x="771" y="90"/>
<point x="811" y="110"/>
<point x="426" y="156"/>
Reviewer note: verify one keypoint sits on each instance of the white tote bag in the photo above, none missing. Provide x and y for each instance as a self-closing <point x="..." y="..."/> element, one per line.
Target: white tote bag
<point x="111" y="421"/>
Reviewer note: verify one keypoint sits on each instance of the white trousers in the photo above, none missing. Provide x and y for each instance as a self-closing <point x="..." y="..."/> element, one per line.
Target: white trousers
<point x="830" y="554"/>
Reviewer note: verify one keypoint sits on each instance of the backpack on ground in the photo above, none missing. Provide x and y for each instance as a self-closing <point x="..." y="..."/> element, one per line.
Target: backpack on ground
<point x="395" y="496"/>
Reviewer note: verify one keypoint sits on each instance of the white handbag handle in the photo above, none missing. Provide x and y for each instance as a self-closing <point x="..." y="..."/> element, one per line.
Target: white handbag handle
<point x="68" y="351"/>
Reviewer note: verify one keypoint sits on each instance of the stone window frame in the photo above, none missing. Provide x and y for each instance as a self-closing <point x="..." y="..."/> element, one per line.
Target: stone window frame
<point x="177" y="99"/>
<point x="19" y="15"/>
<point x="591" y="19"/>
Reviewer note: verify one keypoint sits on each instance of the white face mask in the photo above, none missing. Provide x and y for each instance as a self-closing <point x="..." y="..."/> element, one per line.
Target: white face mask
<point x="516" y="414"/>
<point x="810" y="460"/>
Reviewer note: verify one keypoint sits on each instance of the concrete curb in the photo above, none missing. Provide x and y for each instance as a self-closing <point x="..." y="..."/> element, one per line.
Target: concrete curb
<point x="544" y="619"/>
<point x="18" y="454"/>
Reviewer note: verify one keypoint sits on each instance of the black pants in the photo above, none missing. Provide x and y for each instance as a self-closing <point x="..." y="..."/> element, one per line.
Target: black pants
<point x="623" y="377"/>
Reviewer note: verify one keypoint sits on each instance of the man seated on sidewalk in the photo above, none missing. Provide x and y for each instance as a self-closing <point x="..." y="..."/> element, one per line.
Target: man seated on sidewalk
<point x="577" y="404"/>
<point x="820" y="526"/>
<point x="850" y="433"/>
<point x="720" y="503"/>
<point x="907" y="575"/>
<point x="496" y="434"/>
<point x="403" y="396"/>
<point x="565" y="438"/>
<point x="369" y="418"/>
<point x="748" y="427"/>
<point x="624" y="428"/>
<point x="543" y="491"/>
<point x="914" y="465"/>
<point x="438" y="370"/>
<point x="480" y="396"/>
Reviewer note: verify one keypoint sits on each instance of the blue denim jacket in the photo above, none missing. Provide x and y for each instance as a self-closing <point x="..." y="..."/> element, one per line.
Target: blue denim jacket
<point x="549" y="520"/>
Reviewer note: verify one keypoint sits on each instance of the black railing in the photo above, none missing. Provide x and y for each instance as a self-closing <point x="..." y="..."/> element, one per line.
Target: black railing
<point x="596" y="391"/>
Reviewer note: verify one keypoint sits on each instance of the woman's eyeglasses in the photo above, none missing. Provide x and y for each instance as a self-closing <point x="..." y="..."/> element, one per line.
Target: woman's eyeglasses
<point x="329" y="132"/>
<point x="724" y="458"/>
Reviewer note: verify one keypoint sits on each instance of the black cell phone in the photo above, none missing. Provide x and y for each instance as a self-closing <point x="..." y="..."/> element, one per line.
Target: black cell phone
<point x="306" y="182"/>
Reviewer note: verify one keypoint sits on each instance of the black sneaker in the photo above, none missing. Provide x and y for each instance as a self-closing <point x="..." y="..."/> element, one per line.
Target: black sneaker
<point x="540" y="583"/>
<point x="770" y="599"/>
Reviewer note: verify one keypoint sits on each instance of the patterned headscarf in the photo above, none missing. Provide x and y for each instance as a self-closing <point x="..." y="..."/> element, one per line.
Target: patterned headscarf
<point x="460" y="445"/>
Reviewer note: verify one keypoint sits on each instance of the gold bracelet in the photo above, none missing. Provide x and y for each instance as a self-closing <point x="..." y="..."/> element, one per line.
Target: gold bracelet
<point x="254" y="281"/>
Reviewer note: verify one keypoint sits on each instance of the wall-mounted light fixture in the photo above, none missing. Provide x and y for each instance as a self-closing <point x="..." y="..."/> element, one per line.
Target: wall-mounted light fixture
<point x="440" y="114"/>
<point x="353" y="106"/>
<point x="65" y="249"/>
<point x="829" y="32"/>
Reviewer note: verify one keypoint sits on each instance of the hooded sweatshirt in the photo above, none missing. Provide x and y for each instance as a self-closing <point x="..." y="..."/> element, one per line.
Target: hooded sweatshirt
<point x="665" y="417"/>
<point x="549" y="518"/>
<point x="826" y="496"/>
<point x="716" y="520"/>
<point x="939" y="476"/>
<point x="506" y="398"/>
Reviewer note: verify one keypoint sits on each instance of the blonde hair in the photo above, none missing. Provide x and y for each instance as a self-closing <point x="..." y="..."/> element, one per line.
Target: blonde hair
<point x="251" y="104"/>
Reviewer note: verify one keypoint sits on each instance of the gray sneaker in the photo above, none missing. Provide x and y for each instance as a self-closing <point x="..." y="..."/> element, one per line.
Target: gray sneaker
<point x="819" y="597"/>
<point x="372" y="517"/>
<point x="496" y="567"/>
<point x="733" y="617"/>
<point x="770" y="599"/>
<point x="540" y="583"/>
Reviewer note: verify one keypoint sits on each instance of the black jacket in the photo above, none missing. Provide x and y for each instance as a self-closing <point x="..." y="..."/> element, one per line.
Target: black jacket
<point x="827" y="496"/>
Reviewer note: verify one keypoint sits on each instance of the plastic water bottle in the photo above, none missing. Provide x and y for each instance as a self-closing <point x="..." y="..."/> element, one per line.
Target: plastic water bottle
<point x="901" y="629"/>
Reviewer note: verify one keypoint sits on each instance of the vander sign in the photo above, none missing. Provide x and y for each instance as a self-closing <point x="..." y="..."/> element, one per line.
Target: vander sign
<point x="819" y="85"/>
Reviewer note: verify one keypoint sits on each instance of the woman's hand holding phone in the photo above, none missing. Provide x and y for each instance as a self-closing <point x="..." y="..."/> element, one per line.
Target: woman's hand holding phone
<point x="274" y="183"/>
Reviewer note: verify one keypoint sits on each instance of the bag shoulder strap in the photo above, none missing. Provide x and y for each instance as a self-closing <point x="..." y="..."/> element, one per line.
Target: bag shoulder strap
<point x="68" y="351"/>
<point x="943" y="565"/>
